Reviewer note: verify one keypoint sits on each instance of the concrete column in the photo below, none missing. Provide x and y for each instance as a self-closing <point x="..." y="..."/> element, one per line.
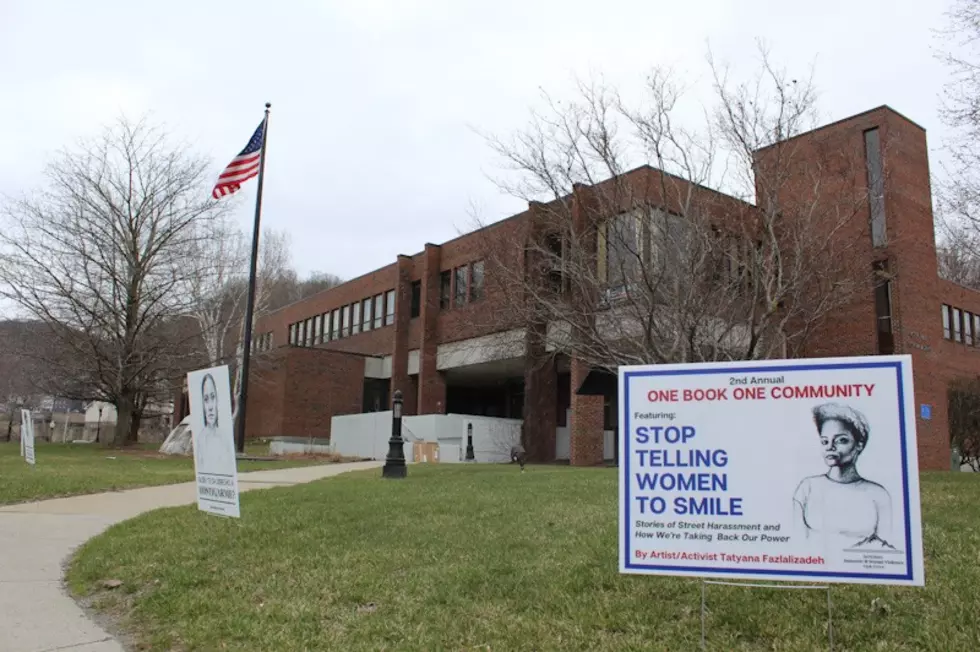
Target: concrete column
<point x="431" y="386"/>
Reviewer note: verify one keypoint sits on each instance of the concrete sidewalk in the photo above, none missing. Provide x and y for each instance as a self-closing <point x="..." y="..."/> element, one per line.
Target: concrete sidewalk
<point x="36" y="615"/>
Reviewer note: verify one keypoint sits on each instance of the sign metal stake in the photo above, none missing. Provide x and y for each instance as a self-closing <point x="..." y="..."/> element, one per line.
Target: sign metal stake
<point x="804" y="587"/>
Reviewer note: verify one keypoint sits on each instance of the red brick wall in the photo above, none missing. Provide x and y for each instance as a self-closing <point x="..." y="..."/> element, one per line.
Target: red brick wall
<point x="431" y="386"/>
<point x="266" y="387"/>
<point x="586" y="433"/>
<point x="295" y="391"/>
<point x="540" y="399"/>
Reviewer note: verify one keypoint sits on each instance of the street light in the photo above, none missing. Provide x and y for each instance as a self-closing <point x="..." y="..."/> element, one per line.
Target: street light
<point x="395" y="462"/>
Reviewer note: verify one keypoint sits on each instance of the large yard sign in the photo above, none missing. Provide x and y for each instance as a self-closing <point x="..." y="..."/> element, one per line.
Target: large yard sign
<point x="213" y="433"/>
<point x="779" y="470"/>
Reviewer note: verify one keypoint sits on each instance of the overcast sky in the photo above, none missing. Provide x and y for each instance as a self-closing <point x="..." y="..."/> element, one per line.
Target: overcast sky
<point x="372" y="151"/>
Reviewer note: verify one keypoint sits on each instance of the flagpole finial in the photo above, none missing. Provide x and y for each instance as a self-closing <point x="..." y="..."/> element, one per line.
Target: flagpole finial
<point x="268" y="105"/>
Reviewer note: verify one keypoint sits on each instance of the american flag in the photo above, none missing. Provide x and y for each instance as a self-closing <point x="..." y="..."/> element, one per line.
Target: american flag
<point x="243" y="167"/>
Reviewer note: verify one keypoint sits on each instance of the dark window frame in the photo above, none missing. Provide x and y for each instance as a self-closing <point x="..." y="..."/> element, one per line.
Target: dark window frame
<point x="477" y="289"/>
<point x="389" y="306"/>
<point x="416" y="303"/>
<point x="445" y="289"/>
<point x="876" y="187"/>
<point x="461" y="295"/>
<point x="355" y="318"/>
<point x="379" y="311"/>
<point x="366" y="313"/>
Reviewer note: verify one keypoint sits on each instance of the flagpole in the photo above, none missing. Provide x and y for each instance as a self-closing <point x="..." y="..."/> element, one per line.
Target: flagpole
<point x="250" y="300"/>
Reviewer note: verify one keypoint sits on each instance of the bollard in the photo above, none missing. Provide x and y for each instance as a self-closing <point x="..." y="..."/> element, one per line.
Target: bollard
<point x="470" y="457"/>
<point x="395" y="462"/>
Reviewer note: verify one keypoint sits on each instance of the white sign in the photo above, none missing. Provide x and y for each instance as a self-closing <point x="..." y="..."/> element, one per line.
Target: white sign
<point x="27" y="436"/>
<point x="778" y="470"/>
<point x="212" y="429"/>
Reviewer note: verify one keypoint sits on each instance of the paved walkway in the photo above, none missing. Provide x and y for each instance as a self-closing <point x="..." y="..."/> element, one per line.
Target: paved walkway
<point x="36" y="615"/>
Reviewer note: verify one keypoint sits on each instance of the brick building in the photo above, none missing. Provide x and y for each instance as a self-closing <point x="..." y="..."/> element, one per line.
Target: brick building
<point x="431" y="324"/>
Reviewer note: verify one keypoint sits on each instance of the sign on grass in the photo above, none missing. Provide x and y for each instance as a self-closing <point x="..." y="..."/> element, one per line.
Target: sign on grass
<point x="779" y="470"/>
<point x="212" y="430"/>
<point x="27" y="436"/>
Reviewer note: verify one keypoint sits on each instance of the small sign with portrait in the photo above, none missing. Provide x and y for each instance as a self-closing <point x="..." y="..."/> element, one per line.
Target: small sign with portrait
<point x="778" y="470"/>
<point x="27" y="437"/>
<point x="213" y="432"/>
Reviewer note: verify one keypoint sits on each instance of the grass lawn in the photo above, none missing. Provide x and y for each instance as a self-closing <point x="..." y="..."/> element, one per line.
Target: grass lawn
<point x="483" y="558"/>
<point x="70" y="469"/>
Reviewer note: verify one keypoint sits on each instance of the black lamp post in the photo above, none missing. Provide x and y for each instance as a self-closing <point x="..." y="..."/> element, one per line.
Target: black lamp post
<point x="395" y="462"/>
<point x="470" y="457"/>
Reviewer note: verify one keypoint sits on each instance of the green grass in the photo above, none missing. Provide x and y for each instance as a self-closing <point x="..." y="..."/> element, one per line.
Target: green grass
<point x="478" y="558"/>
<point x="71" y="469"/>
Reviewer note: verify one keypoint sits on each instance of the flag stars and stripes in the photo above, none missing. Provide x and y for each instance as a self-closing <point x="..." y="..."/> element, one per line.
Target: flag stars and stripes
<point x="243" y="167"/>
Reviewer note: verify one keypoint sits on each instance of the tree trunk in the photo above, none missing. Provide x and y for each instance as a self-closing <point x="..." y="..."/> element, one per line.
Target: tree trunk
<point x="134" y="428"/>
<point x="124" y="419"/>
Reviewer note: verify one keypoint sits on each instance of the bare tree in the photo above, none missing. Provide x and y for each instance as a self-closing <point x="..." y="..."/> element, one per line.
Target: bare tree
<point x="964" y="420"/>
<point x="102" y="256"/>
<point x="959" y="191"/>
<point x="217" y="290"/>
<point x="958" y="254"/>
<point x="273" y="266"/>
<point x="630" y="258"/>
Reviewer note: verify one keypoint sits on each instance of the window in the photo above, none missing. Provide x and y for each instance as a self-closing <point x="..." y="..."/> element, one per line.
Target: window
<point x="301" y="336"/>
<point x="976" y="330"/>
<point x="445" y="289"/>
<point x="947" y="323"/>
<point x="476" y="281"/>
<point x="317" y="329"/>
<point x="355" y="311"/>
<point x="366" y="309"/>
<point x="968" y="328"/>
<point x="957" y="325"/>
<point x="325" y="318"/>
<point x="876" y="187"/>
<point x="883" y="312"/>
<point x="379" y="308"/>
<point x="389" y="307"/>
<point x="461" y="283"/>
<point x="622" y="240"/>
<point x="309" y="332"/>
<point x="416" y="299"/>
<point x="292" y="333"/>
<point x="335" y="323"/>
<point x="345" y="313"/>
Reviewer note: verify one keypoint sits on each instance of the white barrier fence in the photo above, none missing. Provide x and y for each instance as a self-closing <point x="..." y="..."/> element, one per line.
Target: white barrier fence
<point x="367" y="435"/>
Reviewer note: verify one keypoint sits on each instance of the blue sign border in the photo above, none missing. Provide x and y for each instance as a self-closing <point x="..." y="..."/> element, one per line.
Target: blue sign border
<point x="627" y="457"/>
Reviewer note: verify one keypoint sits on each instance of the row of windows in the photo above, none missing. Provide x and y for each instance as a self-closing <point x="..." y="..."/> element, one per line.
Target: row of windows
<point x="262" y="342"/>
<point x="457" y="287"/>
<point x="461" y="285"/>
<point x="361" y="316"/>
<point x="961" y="326"/>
